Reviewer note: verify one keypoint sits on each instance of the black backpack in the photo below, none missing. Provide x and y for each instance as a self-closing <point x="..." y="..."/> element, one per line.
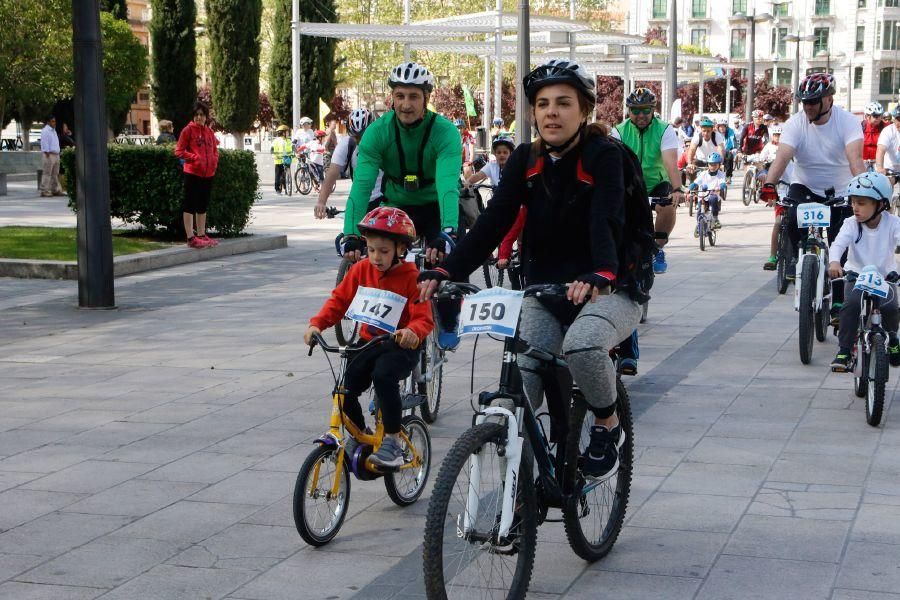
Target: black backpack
<point x="638" y="241"/>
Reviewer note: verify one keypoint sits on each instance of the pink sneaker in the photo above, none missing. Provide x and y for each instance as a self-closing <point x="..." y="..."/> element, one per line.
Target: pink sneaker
<point x="197" y="242"/>
<point x="209" y="241"/>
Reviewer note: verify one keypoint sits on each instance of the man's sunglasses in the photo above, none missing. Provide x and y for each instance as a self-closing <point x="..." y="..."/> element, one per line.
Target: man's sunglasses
<point x="812" y="102"/>
<point x="647" y="110"/>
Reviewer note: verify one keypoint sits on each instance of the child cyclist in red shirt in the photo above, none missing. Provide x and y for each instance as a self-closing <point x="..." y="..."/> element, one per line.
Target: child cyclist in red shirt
<point x="388" y="233"/>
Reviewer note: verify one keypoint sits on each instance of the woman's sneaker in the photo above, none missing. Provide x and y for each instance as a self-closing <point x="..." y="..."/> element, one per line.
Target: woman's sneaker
<point x="600" y="460"/>
<point x="197" y="242"/>
<point x="211" y="243"/>
<point x="389" y="455"/>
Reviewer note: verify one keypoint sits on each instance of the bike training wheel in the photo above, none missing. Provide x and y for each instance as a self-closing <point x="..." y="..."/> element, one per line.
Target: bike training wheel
<point x="346" y="331"/>
<point x="784" y="255"/>
<point x="701" y="226"/>
<point x="746" y="193"/>
<point x="823" y="315"/>
<point x="475" y="565"/>
<point x="303" y="181"/>
<point x="807" y="311"/>
<point x="404" y="486"/>
<point x="861" y="382"/>
<point x="431" y="365"/>
<point x="877" y="375"/>
<point x="317" y="515"/>
<point x="593" y="519"/>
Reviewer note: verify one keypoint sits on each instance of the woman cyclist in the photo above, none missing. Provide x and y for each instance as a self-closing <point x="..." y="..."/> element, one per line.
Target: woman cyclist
<point x="572" y="234"/>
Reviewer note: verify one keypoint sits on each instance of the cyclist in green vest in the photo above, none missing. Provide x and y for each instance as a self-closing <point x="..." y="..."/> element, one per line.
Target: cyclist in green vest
<point x="282" y="149"/>
<point x="656" y="145"/>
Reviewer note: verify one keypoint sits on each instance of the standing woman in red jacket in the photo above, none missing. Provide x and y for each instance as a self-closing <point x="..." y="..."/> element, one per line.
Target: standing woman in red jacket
<point x="197" y="147"/>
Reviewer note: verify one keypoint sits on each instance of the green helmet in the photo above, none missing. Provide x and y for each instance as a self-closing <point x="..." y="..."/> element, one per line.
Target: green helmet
<point x="706" y="122"/>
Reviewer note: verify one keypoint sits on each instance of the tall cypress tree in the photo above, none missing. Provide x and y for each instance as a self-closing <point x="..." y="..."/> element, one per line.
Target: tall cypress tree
<point x="281" y="91"/>
<point x="234" y="27"/>
<point x="174" y="60"/>
<point x="317" y="65"/>
<point x="118" y="8"/>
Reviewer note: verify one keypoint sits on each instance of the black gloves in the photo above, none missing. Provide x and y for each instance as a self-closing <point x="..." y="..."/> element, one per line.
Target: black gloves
<point x="438" y="274"/>
<point x="353" y="243"/>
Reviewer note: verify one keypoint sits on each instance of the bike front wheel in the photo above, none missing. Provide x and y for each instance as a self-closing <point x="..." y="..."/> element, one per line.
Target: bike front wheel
<point x="318" y="511"/>
<point x="463" y="556"/>
<point x="747" y="192"/>
<point x="594" y="517"/>
<point x="303" y="181"/>
<point x="288" y="182"/>
<point x="784" y="255"/>
<point x="807" y="311"/>
<point x="877" y="374"/>
<point x="701" y="227"/>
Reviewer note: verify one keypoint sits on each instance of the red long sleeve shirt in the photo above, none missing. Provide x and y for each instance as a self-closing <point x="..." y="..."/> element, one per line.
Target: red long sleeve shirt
<point x="400" y="279"/>
<point x="506" y="246"/>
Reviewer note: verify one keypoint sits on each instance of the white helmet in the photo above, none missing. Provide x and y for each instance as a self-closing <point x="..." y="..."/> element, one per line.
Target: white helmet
<point x="305" y="121"/>
<point x="874" y="108"/>
<point x="359" y="120"/>
<point x="768" y="117"/>
<point x="411" y="74"/>
<point x="776" y="129"/>
<point x="722" y="121"/>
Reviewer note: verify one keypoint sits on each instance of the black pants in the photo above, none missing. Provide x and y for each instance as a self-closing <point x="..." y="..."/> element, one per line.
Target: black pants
<point x="197" y="191"/>
<point x="279" y="175"/>
<point x="426" y="218"/>
<point x="383" y="366"/>
<point x="729" y="164"/>
<point x="850" y="313"/>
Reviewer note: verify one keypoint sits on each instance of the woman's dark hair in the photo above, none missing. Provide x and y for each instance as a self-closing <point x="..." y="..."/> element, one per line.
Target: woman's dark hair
<point x="200" y="107"/>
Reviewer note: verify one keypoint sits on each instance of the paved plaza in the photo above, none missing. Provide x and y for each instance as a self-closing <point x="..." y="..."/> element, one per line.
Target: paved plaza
<point x="149" y="452"/>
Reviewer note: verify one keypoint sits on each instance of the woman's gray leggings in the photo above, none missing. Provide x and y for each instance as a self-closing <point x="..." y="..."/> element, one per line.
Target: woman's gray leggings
<point x="600" y="326"/>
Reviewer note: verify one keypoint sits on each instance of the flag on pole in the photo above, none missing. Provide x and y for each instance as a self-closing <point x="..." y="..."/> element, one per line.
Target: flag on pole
<point x="470" y="102"/>
<point x="324" y="109"/>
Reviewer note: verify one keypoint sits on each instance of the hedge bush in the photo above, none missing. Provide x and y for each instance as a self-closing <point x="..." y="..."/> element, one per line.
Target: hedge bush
<point x="146" y="187"/>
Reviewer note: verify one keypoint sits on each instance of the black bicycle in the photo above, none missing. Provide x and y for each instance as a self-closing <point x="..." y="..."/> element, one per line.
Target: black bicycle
<point x="487" y="502"/>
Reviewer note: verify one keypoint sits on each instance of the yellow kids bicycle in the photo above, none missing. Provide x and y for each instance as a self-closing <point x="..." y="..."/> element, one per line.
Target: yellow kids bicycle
<point x="322" y="491"/>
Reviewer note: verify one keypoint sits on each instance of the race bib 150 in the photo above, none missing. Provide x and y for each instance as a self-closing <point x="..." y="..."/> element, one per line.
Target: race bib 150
<point x="494" y="310"/>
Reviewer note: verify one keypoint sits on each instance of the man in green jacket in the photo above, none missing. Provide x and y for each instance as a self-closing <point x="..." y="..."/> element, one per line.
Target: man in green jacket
<point x="657" y="146"/>
<point x="420" y="154"/>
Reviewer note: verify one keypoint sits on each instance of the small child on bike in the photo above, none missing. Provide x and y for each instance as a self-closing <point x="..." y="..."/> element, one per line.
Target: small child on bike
<point x="388" y="232"/>
<point x="768" y="153"/>
<point x="870" y="239"/>
<point x="712" y="179"/>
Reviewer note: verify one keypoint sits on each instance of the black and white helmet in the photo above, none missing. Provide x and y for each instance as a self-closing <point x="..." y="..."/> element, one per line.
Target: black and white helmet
<point x="358" y="121"/>
<point x="560" y="71"/>
<point x="875" y="109"/>
<point x="411" y="74"/>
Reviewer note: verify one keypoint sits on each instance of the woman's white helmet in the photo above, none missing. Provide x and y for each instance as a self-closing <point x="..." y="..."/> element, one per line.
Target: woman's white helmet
<point x="305" y="121"/>
<point x="870" y="185"/>
<point x="874" y="109"/>
<point x="721" y="120"/>
<point x="358" y="121"/>
<point x="776" y="130"/>
<point x="411" y="74"/>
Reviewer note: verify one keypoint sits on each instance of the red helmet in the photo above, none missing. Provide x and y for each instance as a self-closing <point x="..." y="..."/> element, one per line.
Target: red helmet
<point x="391" y="222"/>
<point x="757" y="114"/>
<point x="320" y="133"/>
<point x="816" y="86"/>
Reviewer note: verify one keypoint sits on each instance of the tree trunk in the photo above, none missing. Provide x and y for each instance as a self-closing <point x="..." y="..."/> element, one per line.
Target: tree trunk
<point x="238" y="141"/>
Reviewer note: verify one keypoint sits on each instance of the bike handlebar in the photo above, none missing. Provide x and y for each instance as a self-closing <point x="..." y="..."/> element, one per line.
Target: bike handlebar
<point x="452" y="290"/>
<point x="318" y="340"/>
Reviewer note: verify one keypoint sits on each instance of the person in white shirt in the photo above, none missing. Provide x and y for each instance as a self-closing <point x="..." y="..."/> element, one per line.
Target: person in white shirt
<point x="888" y="154"/>
<point x="502" y="148"/>
<point x="713" y="180"/>
<point x="50" y="159"/>
<point x="869" y="239"/>
<point x="316" y="150"/>
<point x="304" y="133"/>
<point x="825" y="142"/>
<point x="705" y="143"/>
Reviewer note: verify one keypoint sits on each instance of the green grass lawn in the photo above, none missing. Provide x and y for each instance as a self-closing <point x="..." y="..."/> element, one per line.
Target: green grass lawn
<point x="59" y="243"/>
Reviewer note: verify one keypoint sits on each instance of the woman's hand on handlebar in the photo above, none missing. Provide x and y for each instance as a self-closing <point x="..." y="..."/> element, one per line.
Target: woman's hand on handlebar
<point x="835" y="270"/>
<point x="586" y="287"/>
<point x="308" y="336"/>
<point x="430" y="281"/>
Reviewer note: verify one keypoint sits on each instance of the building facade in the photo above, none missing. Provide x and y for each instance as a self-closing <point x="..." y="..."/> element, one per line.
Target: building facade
<point x="857" y="40"/>
<point x="140" y="119"/>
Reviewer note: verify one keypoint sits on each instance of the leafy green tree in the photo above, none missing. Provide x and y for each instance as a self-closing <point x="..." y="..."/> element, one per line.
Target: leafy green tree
<point x="117" y="8"/>
<point x="317" y="63"/>
<point x="280" y="73"/>
<point x="174" y="64"/>
<point x="234" y="29"/>
<point x="124" y="68"/>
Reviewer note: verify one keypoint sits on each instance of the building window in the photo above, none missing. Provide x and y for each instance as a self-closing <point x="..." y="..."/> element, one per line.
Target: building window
<point x="887" y="81"/>
<point x="820" y="44"/>
<point x="660" y="9"/>
<point x="698" y="38"/>
<point x="780" y="9"/>
<point x="698" y="9"/>
<point x="823" y="7"/>
<point x="785" y="77"/>
<point x="861" y="4"/>
<point x="738" y="6"/>
<point x="888" y="37"/>
<point x="778" y="40"/>
<point x="812" y="70"/>
<point x="860" y="38"/>
<point x="889" y="3"/>
<point x="738" y="43"/>
<point x="857" y="78"/>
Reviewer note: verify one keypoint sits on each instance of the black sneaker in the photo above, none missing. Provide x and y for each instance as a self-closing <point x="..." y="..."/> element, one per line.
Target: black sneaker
<point x="841" y="362"/>
<point x="894" y="352"/>
<point x="600" y="459"/>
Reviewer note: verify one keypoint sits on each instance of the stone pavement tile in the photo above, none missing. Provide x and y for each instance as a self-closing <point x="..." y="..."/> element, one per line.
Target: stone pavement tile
<point x="173" y="412"/>
<point x="877" y="523"/>
<point x="202" y="467"/>
<point x="887" y="461"/>
<point x="742" y="426"/>
<point x="78" y="420"/>
<point x="673" y="413"/>
<point x="655" y="456"/>
<point x="249" y="487"/>
<point x="257" y="442"/>
<point x="13" y="590"/>
<point x="836" y="506"/>
<point x="660" y="434"/>
<point x="333" y="575"/>
<point x="106" y="562"/>
<point x="735" y="451"/>
<point x="7" y="423"/>
<point x="664" y="552"/>
<point x="764" y="404"/>
<point x="135" y="498"/>
<point x="690" y="512"/>
<point x="871" y="567"/>
<point x="57" y="533"/>
<point x="812" y="468"/>
<point x="836" y="399"/>
<point x="290" y="460"/>
<point x="630" y="586"/>
<point x="642" y="488"/>
<point x="169" y="582"/>
<point x="158" y="449"/>
<point x="116" y="434"/>
<point x="384" y="530"/>
<point x="555" y="568"/>
<point x="88" y="477"/>
<point x="750" y="578"/>
<point x="860" y="595"/>
<point x="21" y="506"/>
<point x="14" y="441"/>
<point x="879" y="489"/>
<point x="814" y="441"/>
<point x="49" y="459"/>
<point x="709" y="478"/>
<point x="834" y="421"/>
<point x="787" y="537"/>
<point x="13" y="564"/>
<point x="243" y="546"/>
<point x="11" y="479"/>
<point x="187" y="521"/>
<point x="281" y="513"/>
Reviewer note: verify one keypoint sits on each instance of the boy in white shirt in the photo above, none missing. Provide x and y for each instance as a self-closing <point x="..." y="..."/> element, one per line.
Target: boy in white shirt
<point x="712" y="179"/>
<point x="869" y="238"/>
<point x="316" y="150"/>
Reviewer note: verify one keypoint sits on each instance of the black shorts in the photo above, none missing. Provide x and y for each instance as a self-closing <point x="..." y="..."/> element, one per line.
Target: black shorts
<point x="196" y="194"/>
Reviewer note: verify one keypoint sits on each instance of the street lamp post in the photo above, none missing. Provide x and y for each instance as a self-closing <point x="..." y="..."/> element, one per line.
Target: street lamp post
<point x="753" y="19"/>
<point x="796" y="37"/>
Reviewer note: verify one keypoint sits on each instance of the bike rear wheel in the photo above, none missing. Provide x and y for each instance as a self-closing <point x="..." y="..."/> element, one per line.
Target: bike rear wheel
<point x="318" y="515"/>
<point x="594" y="518"/>
<point x="288" y="182"/>
<point x="462" y="555"/>
<point x="493" y="277"/>
<point x="431" y="366"/>
<point x="861" y="382"/>
<point x="404" y="486"/>
<point x="303" y="181"/>
<point x="807" y="311"/>
<point x="823" y="315"/>
<point x="346" y="331"/>
<point x="877" y="374"/>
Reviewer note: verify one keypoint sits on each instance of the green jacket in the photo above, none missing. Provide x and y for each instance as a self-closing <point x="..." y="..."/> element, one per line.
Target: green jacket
<point x="441" y="163"/>
<point x="647" y="144"/>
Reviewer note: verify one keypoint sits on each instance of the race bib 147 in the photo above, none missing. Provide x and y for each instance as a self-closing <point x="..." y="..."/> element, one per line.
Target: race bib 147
<point x="379" y="308"/>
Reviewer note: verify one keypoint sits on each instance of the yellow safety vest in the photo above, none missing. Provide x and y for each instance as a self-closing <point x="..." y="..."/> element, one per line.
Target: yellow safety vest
<point x="281" y="148"/>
